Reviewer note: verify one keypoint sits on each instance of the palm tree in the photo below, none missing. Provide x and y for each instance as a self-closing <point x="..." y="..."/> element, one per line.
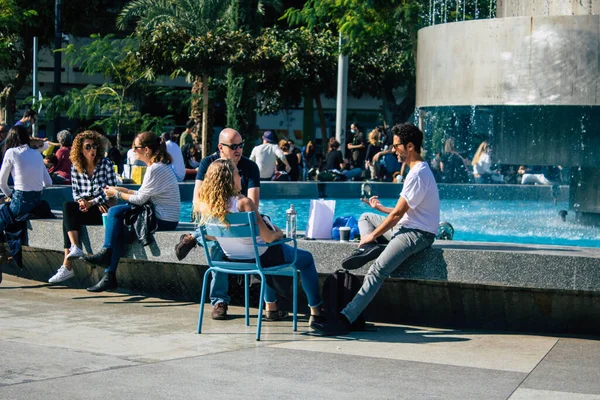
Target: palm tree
<point x="196" y="18"/>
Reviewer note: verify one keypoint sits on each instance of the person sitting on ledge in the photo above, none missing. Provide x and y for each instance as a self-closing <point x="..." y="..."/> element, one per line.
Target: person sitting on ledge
<point x="219" y="195"/>
<point x="413" y="222"/>
<point x="159" y="187"/>
<point x="30" y="176"/>
<point x="91" y="172"/>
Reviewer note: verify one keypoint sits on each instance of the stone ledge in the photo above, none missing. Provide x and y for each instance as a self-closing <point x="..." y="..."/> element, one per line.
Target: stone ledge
<point x="528" y="266"/>
<point x="453" y="284"/>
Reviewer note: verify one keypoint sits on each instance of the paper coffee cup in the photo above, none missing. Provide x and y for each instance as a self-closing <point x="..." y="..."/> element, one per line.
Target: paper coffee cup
<point x="344" y="234"/>
<point x="104" y="219"/>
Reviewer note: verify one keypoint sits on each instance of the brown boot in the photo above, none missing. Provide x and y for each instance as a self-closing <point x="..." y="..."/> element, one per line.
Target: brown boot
<point x="219" y="311"/>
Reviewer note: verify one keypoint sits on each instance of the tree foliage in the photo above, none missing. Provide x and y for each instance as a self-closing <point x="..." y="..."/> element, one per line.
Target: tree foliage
<point x="115" y="101"/>
<point x="380" y="37"/>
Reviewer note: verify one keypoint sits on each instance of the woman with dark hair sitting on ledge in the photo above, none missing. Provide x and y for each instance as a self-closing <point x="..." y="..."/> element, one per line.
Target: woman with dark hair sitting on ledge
<point x="30" y="176"/>
<point x="159" y="187"/>
<point x="219" y="195"/>
<point x="90" y="174"/>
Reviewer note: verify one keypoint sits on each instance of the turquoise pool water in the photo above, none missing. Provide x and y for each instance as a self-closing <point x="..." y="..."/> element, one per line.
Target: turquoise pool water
<point x="527" y="222"/>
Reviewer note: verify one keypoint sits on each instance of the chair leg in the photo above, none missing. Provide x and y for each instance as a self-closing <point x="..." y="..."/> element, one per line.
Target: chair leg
<point x="202" y="297"/>
<point x="260" y="306"/>
<point x="295" y="301"/>
<point x="247" y="299"/>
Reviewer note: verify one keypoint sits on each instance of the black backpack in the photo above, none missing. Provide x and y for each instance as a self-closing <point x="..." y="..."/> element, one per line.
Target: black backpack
<point x="339" y="289"/>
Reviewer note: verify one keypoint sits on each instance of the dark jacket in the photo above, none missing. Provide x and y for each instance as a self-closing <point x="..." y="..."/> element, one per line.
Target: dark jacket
<point x="142" y="220"/>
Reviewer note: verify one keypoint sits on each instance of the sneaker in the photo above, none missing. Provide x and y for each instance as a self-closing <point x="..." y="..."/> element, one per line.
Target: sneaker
<point x="62" y="275"/>
<point x="272" y="316"/>
<point x="186" y="243"/>
<point x="75" y="252"/>
<point x="219" y="312"/>
<point x="340" y="326"/>
<point x="363" y="255"/>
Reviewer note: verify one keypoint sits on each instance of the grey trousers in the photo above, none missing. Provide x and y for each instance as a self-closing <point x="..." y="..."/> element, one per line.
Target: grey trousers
<point x="403" y="244"/>
<point x="369" y="221"/>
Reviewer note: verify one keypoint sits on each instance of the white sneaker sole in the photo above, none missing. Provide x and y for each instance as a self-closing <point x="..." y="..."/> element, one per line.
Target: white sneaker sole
<point x="75" y="254"/>
<point x="61" y="279"/>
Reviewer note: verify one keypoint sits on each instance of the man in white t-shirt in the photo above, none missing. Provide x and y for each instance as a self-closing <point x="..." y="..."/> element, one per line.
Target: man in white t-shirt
<point x="266" y="156"/>
<point x="409" y="227"/>
<point x="178" y="165"/>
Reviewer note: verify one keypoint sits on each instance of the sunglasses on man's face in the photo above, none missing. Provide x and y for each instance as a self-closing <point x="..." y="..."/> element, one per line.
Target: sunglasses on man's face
<point x="234" y="146"/>
<point x="89" y="146"/>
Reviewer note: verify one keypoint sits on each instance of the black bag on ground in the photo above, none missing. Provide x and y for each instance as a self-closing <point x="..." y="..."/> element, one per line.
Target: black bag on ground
<point x="339" y="289"/>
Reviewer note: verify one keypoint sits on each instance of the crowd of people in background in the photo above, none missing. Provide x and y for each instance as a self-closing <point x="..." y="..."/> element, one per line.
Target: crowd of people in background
<point x="365" y="157"/>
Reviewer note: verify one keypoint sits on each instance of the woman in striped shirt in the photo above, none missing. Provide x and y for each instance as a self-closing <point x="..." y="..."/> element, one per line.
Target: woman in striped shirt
<point x="159" y="187"/>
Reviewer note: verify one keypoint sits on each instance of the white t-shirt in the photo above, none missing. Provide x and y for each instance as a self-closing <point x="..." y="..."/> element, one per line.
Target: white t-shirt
<point x="178" y="165"/>
<point x="239" y="248"/>
<point x="27" y="168"/>
<point x="483" y="165"/>
<point x="132" y="159"/>
<point x="160" y="187"/>
<point x="265" y="156"/>
<point x="421" y="193"/>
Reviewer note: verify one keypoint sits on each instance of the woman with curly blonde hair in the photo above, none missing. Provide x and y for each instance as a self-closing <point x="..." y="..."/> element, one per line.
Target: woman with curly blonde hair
<point x="90" y="174"/>
<point x="219" y="195"/>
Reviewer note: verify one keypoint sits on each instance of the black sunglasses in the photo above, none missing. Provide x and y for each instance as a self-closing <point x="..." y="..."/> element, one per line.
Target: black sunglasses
<point x="139" y="147"/>
<point x="90" y="146"/>
<point x="234" y="146"/>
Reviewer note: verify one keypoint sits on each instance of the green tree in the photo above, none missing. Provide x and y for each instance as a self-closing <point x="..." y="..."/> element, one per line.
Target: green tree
<point x="168" y="26"/>
<point x="22" y="20"/>
<point x="295" y="64"/>
<point x="381" y="39"/>
<point x="245" y="16"/>
<point x="115" y="100"/>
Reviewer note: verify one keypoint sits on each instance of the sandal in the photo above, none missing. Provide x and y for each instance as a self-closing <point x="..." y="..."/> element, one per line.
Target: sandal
<point x="316" y="318"/>
<point x="277" y="315"/>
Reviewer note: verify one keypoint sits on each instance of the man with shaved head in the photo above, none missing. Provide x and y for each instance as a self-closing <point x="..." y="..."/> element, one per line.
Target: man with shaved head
<point x="230" y="146"/>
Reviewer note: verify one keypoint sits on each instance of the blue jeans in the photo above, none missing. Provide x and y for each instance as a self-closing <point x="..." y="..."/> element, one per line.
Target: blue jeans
<point x="113" y="233"/>
<point x="22" y="203"/>
<point x="351" y="173"/>
<point x="305" y="263"/>
<point x="404" y="244"/>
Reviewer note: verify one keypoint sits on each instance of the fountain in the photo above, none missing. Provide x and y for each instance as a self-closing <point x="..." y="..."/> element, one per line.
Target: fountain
<point x="527" y="80"/>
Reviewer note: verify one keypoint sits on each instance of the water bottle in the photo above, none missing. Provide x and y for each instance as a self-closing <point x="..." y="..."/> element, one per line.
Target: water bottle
<point x="290" y="222"/>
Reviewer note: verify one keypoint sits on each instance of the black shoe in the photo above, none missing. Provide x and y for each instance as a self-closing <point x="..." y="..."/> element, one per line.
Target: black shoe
<point x="108" y="282"/>
<point x="186" y="243"/>
<point x="337" y="327"/>
<point x="101" y="258"/>
<point x="277" y="315"/>
<point x="363" y="255"/>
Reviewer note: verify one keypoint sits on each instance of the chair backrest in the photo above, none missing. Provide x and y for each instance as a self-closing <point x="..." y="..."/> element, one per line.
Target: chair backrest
<point x="242" y="225"/>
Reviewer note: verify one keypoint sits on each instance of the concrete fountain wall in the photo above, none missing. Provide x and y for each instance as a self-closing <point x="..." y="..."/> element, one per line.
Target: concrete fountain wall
<point x="536" y="70"/>
<point x="453" y="284"/>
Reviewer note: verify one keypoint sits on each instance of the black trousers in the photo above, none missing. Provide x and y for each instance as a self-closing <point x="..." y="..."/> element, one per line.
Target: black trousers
<point x="73" y="218"/>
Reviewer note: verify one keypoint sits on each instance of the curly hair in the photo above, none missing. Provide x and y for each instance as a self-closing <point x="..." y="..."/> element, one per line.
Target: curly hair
<point x="216" y="190"/>
<point x="374" y="137"/>
<point x="77" y="157"/>
<point x="408" y="133"/>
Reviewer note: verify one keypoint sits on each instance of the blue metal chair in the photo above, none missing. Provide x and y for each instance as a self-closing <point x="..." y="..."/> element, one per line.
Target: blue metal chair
<point x="244" y="225"/>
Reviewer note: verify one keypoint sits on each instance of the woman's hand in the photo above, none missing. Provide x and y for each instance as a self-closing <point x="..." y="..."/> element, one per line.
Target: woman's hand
<point x="84" y="205"/>
<point x="103" y="208"/>
<point x="111" y="191"/>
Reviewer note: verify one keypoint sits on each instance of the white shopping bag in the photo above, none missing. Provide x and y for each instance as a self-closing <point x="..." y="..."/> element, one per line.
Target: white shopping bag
<point x="320" y="219"/>
<point x="127" y="171"/>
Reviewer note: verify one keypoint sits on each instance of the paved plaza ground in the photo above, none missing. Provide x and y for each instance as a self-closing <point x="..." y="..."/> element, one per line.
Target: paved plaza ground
<point x="61" y="343"/>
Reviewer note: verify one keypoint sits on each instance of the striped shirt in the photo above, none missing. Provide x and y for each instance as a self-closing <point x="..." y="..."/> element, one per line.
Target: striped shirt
<point x="86" y="188"/>
<point x="161" y="189"/>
